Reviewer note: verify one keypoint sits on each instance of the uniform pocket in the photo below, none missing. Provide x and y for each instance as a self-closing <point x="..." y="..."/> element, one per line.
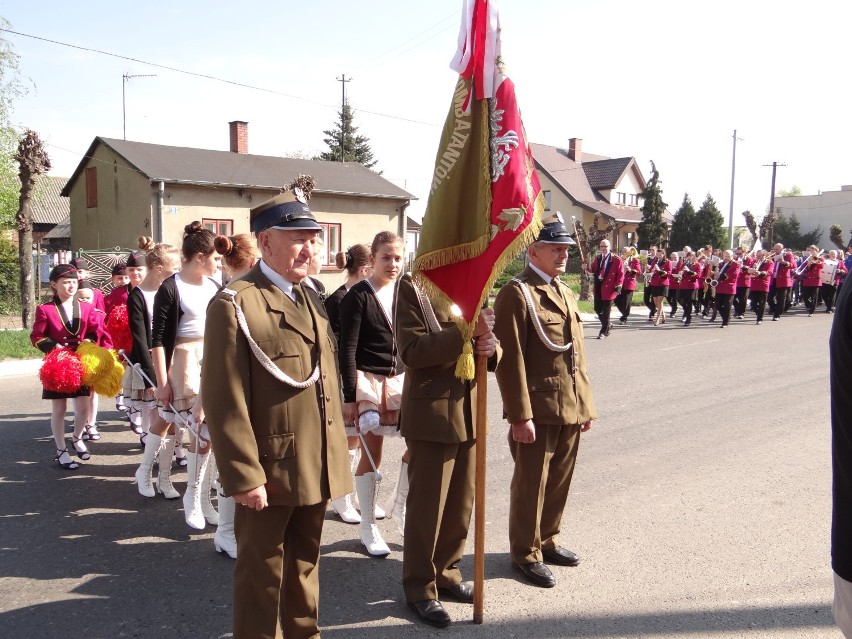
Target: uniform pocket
<point x="275" y="447"/>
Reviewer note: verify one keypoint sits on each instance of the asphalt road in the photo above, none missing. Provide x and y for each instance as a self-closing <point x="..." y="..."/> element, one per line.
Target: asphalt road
<point x="700" y="508"/>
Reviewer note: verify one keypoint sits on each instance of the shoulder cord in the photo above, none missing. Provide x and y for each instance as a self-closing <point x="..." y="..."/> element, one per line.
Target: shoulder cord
<point x="428" y="311"/>
<point x="262" y="357"/>
<point x="536" y="322"/>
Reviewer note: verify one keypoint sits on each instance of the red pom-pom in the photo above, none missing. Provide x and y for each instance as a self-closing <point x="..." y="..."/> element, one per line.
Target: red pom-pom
<point x="62" y="371"/>
<point x="118" y="327"/>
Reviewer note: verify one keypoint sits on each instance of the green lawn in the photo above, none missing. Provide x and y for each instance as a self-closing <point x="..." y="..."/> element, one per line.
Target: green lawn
<point x="16" y="345"/>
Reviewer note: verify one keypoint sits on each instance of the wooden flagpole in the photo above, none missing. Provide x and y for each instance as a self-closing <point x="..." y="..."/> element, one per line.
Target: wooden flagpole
<point x="479" y="491"/>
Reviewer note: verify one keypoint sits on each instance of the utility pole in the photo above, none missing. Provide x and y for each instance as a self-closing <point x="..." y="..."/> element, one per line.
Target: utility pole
<point x="124" y="79"/>
<point x="733" y="175"/>
<point x="774" y="166"/>
<point x="343" y="80"/>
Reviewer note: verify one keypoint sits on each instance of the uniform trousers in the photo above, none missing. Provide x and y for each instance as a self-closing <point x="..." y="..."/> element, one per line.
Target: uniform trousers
<point x="740" y="300"/>
<point x="276" y="577"/>
<point x="779" y="303"/>
<point x="841" y="607"/>
<point x="603" y="308"/>
<point x="624" y="302"/>
<point x="648" y="299"/>
<point x="723" y="305"/>
<point x="539" y="489"/>
<point x="810" y="295"/>
<point x="440" y="501"/>
<point x="827" y="293"/>
<point x="758" y="303"/>
<point x="686" y="296"/>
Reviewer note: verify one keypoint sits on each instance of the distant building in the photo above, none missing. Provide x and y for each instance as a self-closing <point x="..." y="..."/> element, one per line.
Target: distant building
<point x="581" y="184"/>
<point x="50" y="210"/>
<point x="824" y="209"/>
<point x="122" y="190"/>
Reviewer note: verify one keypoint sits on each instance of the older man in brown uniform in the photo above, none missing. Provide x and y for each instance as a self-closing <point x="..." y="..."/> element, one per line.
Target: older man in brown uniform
<point x="272" y="400"/>
<point x="546" y="398"/>
<point x="437" y="421"/>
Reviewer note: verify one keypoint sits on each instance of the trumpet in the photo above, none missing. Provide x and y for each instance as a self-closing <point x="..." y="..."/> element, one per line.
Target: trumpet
<point x="684" y="271"/>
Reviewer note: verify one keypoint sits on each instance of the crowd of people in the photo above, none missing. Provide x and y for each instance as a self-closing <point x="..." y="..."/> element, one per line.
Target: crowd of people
<point x="285" y="393"/>
<point x="715" y="283"/>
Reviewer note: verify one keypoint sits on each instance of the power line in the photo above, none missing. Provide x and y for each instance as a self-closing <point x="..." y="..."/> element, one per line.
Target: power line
<point x="210" y="77"/>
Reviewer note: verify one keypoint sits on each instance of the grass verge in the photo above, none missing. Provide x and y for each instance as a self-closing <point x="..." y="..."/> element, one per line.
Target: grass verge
<point x="16" y="345"/>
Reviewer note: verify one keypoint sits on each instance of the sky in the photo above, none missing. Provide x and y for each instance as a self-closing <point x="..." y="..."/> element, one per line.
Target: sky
<point x="662" y="81"/>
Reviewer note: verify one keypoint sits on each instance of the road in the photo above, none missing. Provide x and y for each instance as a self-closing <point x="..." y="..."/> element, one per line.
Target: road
<point x="700" y="508"/>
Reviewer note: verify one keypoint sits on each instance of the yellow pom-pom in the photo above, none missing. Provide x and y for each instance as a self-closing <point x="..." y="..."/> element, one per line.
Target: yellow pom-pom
<point x="465" y="365"/>
<point x="110" y="385"/>
<point x="97" y="362"/>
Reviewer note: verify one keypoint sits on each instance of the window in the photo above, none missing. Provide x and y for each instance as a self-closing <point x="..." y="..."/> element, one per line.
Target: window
<point x="634" y="199"/>
<point x="546" y="200"/>
<point x="219" y="227"/>
<point x="331" y="247"/>
<point x="621" y="198"/>
<point x="91" y="187"/>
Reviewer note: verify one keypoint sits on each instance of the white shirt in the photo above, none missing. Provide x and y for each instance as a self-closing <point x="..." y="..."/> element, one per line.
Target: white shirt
<point x="148" y="296"/>
<point x="194" y="299"/>
<point x="547" y="278"/>
<point x="276" y="278"/>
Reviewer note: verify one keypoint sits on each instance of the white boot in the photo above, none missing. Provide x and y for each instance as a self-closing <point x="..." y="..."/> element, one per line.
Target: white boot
<point x="367" y="488"/>
<point x="164" y="476"/>
<point x="224" y="540"/>
<point x="346" y="510"/>
<point x="195" y="471"/>
<point x="207" y="509"/>
<point x="143" y="473"/>
<point x="397" y="505"/>
<point x="354" y="458"/>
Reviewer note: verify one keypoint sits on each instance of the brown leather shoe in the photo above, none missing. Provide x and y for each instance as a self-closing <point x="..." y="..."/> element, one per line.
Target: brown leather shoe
<point x="431" y="612"/>
<point x="462" y="592"/>
<point x="537" y="573"/>
<point x="560" y="556"/>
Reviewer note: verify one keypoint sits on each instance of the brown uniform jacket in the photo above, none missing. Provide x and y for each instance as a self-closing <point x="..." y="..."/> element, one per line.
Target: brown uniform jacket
<point x="264" y="431"/>
<point x="436" y="405"/>
<point x="535" y="382"/>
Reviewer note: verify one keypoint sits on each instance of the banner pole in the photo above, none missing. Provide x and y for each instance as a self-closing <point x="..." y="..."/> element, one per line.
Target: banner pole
<point x="479" y="492"/>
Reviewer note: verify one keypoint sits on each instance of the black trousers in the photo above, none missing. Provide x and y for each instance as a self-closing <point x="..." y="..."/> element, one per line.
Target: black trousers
<point x="672" y="300"/>
<point x="810" y="294"/>
<point x="827" y="294"/>
<point x="686" y="297"/>
<point x="778" y="301"/>
<point x="624" y="302"/>
<point x="758" y="303"/>
<point x="740" y="300"/>
<point x="603" y="308"/>
<point x="648" y="300"/>
<point x="723" y="305"/>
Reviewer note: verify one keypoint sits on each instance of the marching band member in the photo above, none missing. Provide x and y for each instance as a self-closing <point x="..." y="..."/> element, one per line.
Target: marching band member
<point x="690" y="283"/>
<point x="674" y="281"/>
<point x="608" y="272"/>
<point x="743" y="282"/>
<point x="761" y="277"/>
<point x="647" y="298"/>
<point x="782" y="280"/>
<point x="711" y="269"/>
<point x="727" y="286"/>
<point x="829" y="291"/>
<point x="810" y="278"/>
<point x="632" y="269"/>
<point x="83" y="272"/>
<point x="660" y="285"/>
<point x="63" y="323"/>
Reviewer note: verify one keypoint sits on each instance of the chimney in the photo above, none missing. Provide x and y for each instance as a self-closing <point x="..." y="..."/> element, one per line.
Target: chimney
<point x="575" y="150"/>
<point x="239" y="136"/>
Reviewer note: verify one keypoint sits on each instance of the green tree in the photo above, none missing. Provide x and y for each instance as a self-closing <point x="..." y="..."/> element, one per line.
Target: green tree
<point x="653" y="228"/>
<point x="682" y="225"/>
<point x="787" y="232"/>
<point x="793" y="191"/>
<point x="10" y="89"/>
<point x="344" y="145"/>
<point x="709" y="225"/>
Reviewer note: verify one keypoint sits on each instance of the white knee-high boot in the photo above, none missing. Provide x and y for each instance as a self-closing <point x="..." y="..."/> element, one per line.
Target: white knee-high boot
<point x="367" y="488"/>
<point x="196" y="470"/>
<point x="224" y="539"/>
<point x="143" y="473"/>
<point x="164" y="476"/>
<point x="344" y="506"/>
<point x="396" y="510"/>
<point x="210" y="513"/>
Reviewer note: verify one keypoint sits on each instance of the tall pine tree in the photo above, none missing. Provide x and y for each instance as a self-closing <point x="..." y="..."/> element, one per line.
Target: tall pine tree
<point x="709" y="227"/>
<point x="344" y="145"/>
<point x="682" y="225"/>
<point x="653" y="228"/>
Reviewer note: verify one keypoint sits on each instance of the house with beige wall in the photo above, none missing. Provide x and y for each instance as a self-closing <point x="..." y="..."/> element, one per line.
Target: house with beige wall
<point x="823" y="210"/>
<point x="122" y="190"/>
<point x="581" y="184"/>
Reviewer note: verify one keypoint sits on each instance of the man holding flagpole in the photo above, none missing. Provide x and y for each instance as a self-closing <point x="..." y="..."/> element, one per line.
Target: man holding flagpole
<point x="547" y="400"/>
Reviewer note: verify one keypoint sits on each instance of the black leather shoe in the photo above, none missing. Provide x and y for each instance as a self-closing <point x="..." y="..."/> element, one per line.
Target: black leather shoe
<point x="608" y="329"/>
<point x="537" y="573"/>
<point x="431" y="612"/>
<point x="462" y="592"/>
<point x="560" y="556"/>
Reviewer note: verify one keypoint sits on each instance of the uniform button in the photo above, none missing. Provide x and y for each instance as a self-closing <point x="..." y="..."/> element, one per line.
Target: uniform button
<point x="327" y="398"/>
<point x="330" y="421"/>
<point x="323" y="375"/>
